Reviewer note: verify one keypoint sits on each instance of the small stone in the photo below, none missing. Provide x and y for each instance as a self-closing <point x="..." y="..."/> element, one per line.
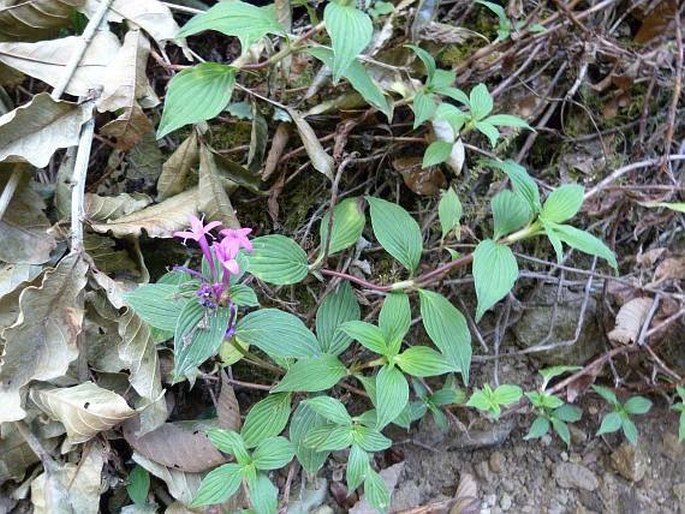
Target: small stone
<point x="592" y="410"/>
<point x="578" y="437"/>
<point x="679" y="492"/>
<point x="671" y="447"/>
<point x="497" y="461"/>
<point x="575" y="458"/>
<point x="575" y="476"/>
<point x="482" y="470"/>
<point x="490" y="500"/>
<point x="505" y="502"/>
<point x="324" y="509"/>
<point x="546" y="440"/>
<point x="630" y="461"/>
<point x="564" y="456"/>
<point x="508" y="485"/>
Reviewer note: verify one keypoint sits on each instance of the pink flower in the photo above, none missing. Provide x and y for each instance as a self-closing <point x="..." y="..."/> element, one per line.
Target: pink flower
<point x="226" y="251"/>
<point x="198" y="232"/>
<point x="236" y="238"/>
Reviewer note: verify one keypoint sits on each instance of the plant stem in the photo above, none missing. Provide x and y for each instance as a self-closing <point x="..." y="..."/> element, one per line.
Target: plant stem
<point x="287" y="50"/>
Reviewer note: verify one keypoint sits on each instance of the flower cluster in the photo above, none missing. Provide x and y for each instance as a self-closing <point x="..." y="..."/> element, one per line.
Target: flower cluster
<point x="221" y="254"/>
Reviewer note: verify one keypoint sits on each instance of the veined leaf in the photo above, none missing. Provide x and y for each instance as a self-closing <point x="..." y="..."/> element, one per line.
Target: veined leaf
<point x="424" y="106"/>
<point x="329" y="408"/>
<point x="304" y="420"/>
<point x="277" y="260"/>
<point x="489" y="130"/>
<point x="273" y="453"/>
<point x="510" y="212"/>
<point x="392" y="394"/>
<point x="350" y="30"/>
<point x="357" y="467"/>
<point x="157" y="304"/>
<point x="348" y="224"/>
<point x="436" y="153"/>
<point x="494" y="273"/>
<point x="507" y="120"/>
<point x="266" y="418"/>
<point x="243" y="295"/>
<point x="524" y="184"/>
<point x="337" y="308"/>
<point x="196" y="94"/>
<point x="263" y="494"/>
<point x="313" y="374"/>
<point x="277" y="333"/>
<point x="563" y="203"/>
<point x="427" y="59"/>
<point x="449" y="211"/>
<point x="368" y="335"/>
<point x="584" y="241"/>
<point x="395" y="320"/>
<point x="396" y="231"/>
<point x="421" y="361"/>
<point x="219" y="485"/>
<point x="370" y="439"/>
<point x="375" y="491"/>
<point x="480" y="102"/>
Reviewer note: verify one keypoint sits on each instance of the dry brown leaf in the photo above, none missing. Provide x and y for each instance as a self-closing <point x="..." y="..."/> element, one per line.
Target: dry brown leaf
<point x="227" y="407"/>
<point x="15" y="455"/>
<point x="102" y="208"/>
<point x="128" y="129"/>
<point x="671" y="268"/>
<point x="390" y="476"/>
<point x="177" y="167"/>
<point x="182" y="486"/>
<point x="85" y="410"/>
<point x="13" y="276"/>
<point x="42" y="351"/>
<point x="278" y="144"/>
<point x="33" y="132"/>
<point x="428" y="181"/>
<point x="35" y="20"/>
<point x="657" y="21"/>
<point x="629" y="320"/>
<point x="213" y="200"/>
<point x="466" y="497"/>
<point x="181" y="445"/>
<point x="322" y="162"/>
<point x="160" y="220"/>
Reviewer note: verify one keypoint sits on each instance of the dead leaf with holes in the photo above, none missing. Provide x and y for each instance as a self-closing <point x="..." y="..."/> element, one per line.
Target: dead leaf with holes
<point x="85" y="410"/>
<point x="629" y="320"/>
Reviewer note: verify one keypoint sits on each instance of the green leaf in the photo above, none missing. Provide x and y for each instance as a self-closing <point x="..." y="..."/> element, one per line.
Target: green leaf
<point x="368" y="335"/>
<point x="199" y="333"/>
<point x="676" y="206"/>
<point x="277" y="333"/>
<point x="555" y="371"/>
<point x="247" y="22"/>
<point x="507" y="120"/>
<point x="313" y="374"/>
<point x="523" y="183"/>
<point x="273" y="453"/>
<point x="157" y="304"/>
<point x="196" y="94"/>
<point x="396" y="231"/>
<point x="637" y="405"/>
<point x="510" y="212"/>
<point x="338" y="438"/>
<point x="424" y="106"/>
<point x="357" y="467"/>
<point x="436" y="153"/>
<point x="610" y="423"/>
<point x="348" y="224"/>
<point x="495" y="8"/>
<point x="443" y="79"/>
<point x="459" y="96"/>
<point x="421" y="361"/>
<point x="494" y="273"/>
<point x="453" y="116"/>
<point x="263" y="494"/>
<point x="392" y="394"/>
<point x="266" y="418"/>
<point x="447" y="328"/>
<point x="303" y="421"/>
<point x="219" y="485"/>
<point x="539" y="428"/>
<point x="330" y="409"/>
<point x="243" y="295"/>
<point x="481" y="399"/>
<point x="489" y="130"/>
<point x="584" y="242"/>
<point x="138" y="485"/>
<point x="449" y="211"/>
<point x="568" y="413"/>
<point x="555" y="242"/>
<point x="629" y="430"/>
<point x="375" y="491"/>
<point x="360" y="79"/>
<point x="394" y="320"/>
<point x="427" y="59"/>
<point x="370" y="439"/>
<point x="277" y="260"/>
<point x="606" y="393"/>
<point x="480" y="102"/>
<point x="507" y="394"/>
<point x="447" y="396"/>
<point x="563" y="203"/>
<point x="350" y="30"/>
<point x="562" y="430"/>
<point x="231" y="442"/>
<point x="337" y="308"/>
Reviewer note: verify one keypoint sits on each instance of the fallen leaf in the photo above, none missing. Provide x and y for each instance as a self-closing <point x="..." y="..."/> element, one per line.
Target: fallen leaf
<point x="213" y="199"/>
<point x="35" y="20"/>
<point x="42" y="351"/>
<point x="177" y="167"/>
<point x="322" y="162"/>
<point x="33" y="132"/>
<point x="227" y="408"/>
<point x="278" y="144"/>
<point x="466" y="497"/>
<point x="181" y="485"/>
<point x="671" y="268"/>
<point x="390" y="476"/>
<point x="657" y="21"/>
<point x="181" y="445"/>
<point x="85" y="410"/>
<point x="102" y="208"/>
<point x="13" y="276"/>
<point x="128" y="129"/>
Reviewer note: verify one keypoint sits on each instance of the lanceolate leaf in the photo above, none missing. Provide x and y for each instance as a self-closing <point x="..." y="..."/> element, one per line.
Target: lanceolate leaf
<point x="277" y="260"/>
<point x="494" y="273"/>
<point x="350" y="30"/>
<point x="313" y="374"/>
<point x="263" y="494"/>
<point x="245" y="21"/>
<point x="424" y="107"/>
<point x="357" y="467"/>
<point x="480" y="102"/>
<point x="375" y="491"/>
<point x="370" y="336"/>
<point x="510" y="213"/>
<point x="321" y="161"/>
<point x="196" y="94"/>
<point x="396" y="231"/>
<point x="277" y="333"/>
<point x="583" y="241"/>
<point x="348" y="224"/>
<point x="421" y="361"/>
<point x="305" y="420"/>
<point x="337" y="308"/>
<point x="219" y="485"/>
<point x="158" y="304"/>
<point x="437" y="152"/>
<point x="507" y="120"/>
<point x="563" y="203"/>
<point x="449" y="211"/>
<point x="273" y="453"/>
<point x="523" y="183"/>
<point x="331" y="409"/>
<point x="392" y="394"/>
<point x="266" y="418"/>
<point x="447" y="328"/>
<point x="395" y="319"/>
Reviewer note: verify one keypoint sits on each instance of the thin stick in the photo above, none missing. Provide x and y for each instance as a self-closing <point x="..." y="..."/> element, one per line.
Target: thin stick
<point x="9" y="190"/>
<point x="79" y="185"/>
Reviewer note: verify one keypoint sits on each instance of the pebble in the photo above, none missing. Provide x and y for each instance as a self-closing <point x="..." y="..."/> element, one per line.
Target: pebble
<point x="564" y="456"/>
<point x="671" y="447"/>
<point x="497" y="462"/>
<point x="575" y="476"/>
<point x="546" y="440"/>
<point x="578" y="437"/>
<point x="508" y="485"/>
<point x="630" y="461"/>
<point x="505" y="502"/>
<point x="482" y="470"/>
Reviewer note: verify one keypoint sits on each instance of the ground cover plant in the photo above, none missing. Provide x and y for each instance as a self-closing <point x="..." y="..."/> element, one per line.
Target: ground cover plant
<point x="318" y="240"/>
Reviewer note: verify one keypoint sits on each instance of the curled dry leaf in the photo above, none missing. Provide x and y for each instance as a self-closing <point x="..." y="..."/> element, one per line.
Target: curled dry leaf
<point x="36" y="19"/>
<point x="102" y="208"/>
<point x="33" y="132"/>
<point x="671" y="268"/>
<point x="422" y="181"/>
<point x="181" y="445"/>
<point x="177" y="168"/>
<point x="227" y="407"/>
<point x="466" y="497"/>
<point x="213" y="199"/>
<point x="85" y="410"/>
<point x="322" y="162"/>
<point x="42" y="351"/>
<point x="629" y="320"/>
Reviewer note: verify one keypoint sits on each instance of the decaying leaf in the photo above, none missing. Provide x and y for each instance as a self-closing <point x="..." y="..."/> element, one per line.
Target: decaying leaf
<point x="42" y="351"/>
<point x="33" y="132"/>
<point x="671" y="268"/>
<point x="213" y="199"/>
<point x="13" y="275"/>
<point x="129" y="128"/>
<point x="160" y="220"/>
<point x="629" y="320"/>
<point x="390" y="476"/>
<point x="85" y="410"/>
<point x="33" y="20"/>
<point x="177" y="167"/>
<point x="321" y="161"/>
<point x="227" y="408"/>
<point x="182" y="486"/>
<point x="47" y="60"/>
<point x="82" y="482"/>
<point x="181" y="445"/>
<point x="466" y="497"/>
<point x="423" y="181"/>
<point x="278" y="144"/>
